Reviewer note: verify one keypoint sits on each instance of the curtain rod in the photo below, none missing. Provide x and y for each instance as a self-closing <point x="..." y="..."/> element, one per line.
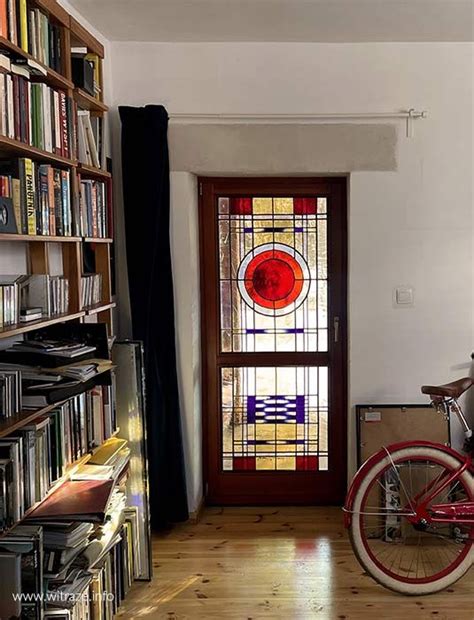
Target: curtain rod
<point x="408" y="115"/>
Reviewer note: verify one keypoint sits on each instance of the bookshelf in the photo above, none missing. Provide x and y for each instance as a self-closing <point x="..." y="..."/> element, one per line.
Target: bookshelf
<point x="72" y="36"/>
<point x="84" y="234"/>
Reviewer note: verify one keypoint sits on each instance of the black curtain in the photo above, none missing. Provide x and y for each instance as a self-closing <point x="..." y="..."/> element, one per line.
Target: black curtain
<point x="146" y="197"/>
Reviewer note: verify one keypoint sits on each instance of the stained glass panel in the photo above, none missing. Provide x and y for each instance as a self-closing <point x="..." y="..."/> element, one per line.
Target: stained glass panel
<point x="273" y="274"/>
<point x="275" y="418"/>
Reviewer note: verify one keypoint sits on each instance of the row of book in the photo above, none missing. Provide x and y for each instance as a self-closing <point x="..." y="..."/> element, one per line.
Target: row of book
<point x="91" y="289"/>
<point x="93" y="209"/>
<point x="30" y="29"/>
<point x="25" y="298"/>
<point x="38" y="455"/>
<point x="40" y="195"/>
<point x="35" y="113"/>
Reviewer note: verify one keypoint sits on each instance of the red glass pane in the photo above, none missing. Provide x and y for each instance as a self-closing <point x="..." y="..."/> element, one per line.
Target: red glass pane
<point x="304" y="206"/>
<point x="241" y="206"/>
<point x="244" y="462"/>
<point x="307" y="463"/>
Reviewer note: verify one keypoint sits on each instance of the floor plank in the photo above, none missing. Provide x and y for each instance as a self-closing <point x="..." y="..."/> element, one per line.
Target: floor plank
<point x="271" y="563"/>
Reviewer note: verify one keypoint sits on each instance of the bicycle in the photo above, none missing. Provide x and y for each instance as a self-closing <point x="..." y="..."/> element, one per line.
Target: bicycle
<point x="410" y="508"/>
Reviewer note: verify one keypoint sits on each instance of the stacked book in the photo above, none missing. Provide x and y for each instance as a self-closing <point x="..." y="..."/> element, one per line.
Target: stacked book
<point x="80" y="547"/>
<point x="40" y="195"/>
<point x="30" y="29"/>
<point x="39" y="454"/>
<point x="93" y="209"/>
<point x="35" y="113"/>
<point x="91" y="290"/>
<point x="90" y="139"/>
<point x="25" y="298"/>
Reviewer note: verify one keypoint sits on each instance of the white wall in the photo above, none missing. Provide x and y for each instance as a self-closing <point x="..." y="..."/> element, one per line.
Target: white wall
<point x="413" y="226"/>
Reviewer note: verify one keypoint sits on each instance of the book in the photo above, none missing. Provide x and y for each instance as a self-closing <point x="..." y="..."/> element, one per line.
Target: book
<point x="108" y="451"/>
<point x="27" y="542"/>
<point x="75" y="501"/>
<point x="10" y="581"/>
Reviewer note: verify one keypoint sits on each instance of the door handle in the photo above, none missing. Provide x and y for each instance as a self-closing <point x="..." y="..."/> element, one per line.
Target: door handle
<point x="336" y="328"/>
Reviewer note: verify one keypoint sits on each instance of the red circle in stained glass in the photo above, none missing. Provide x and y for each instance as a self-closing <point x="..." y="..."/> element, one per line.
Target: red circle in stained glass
<point x="274" y="279"/>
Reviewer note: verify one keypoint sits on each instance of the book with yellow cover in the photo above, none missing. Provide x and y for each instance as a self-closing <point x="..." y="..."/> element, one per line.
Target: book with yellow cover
<point x="107" y="451"/>
<point x="23" y="25"/>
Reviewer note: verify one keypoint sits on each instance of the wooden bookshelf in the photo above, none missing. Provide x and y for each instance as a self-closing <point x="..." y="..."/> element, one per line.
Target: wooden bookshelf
<point x="90" y="172"/>
<point x="14" y="148"/>
<point x="72" y="34"/>
<point x="78" y="253"/>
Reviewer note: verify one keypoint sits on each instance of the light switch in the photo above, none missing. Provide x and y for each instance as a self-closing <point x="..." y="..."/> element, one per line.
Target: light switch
<point x="404" y="296"/>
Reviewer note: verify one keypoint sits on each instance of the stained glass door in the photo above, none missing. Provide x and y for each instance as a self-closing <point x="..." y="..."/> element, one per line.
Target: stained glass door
<point x="273" y="255"/>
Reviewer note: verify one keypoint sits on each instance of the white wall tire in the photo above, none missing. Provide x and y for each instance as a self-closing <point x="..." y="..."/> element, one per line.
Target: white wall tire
<point x="411" y="589"/>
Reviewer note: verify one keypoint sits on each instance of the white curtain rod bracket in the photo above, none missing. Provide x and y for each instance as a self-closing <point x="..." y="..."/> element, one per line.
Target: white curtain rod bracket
<point x="409" y="116"/>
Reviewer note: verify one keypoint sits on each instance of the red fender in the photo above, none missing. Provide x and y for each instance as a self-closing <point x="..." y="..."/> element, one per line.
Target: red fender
<point x="374" y="459"/>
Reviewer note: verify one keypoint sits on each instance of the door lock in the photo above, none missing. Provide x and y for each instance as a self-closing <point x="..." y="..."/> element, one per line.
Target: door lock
<point x="336" y="329"/>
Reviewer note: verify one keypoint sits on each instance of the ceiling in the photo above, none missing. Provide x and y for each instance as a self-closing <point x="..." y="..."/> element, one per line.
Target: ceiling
<point x="280" y="20"/>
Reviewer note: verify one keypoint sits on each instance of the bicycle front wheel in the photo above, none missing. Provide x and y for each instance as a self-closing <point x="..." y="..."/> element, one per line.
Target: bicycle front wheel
<point x="411" y="558"/>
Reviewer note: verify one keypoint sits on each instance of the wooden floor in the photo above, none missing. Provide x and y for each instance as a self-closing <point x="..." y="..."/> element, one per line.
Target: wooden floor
<point x="292" y="563"/>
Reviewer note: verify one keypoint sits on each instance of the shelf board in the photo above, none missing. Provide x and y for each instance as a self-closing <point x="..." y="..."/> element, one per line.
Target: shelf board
<point x="44" y="238"/>
<point x="21" y="419"/>
<point x="9" y="426"/>
<point x="21" y="149"/>
<point x="92" y="172"/>
<point x="98" y="240"/>
<point x="21" y="328"/>
<point x="53" y="78"/>
<point x="99" y="308"/>
<point x="88" y="102"/>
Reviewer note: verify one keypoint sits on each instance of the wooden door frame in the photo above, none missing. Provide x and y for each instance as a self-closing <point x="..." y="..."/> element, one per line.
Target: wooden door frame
<point x="336" y="187"/>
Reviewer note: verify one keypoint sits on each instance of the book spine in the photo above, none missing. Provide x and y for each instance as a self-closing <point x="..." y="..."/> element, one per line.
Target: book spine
<point x="51" y="202"/>
<point x="16" y="108"/>
<point x="58" y="203"/>
<point x="16" y="197"/>
<point x="3" y="19"/>
<point x="65" y="201"/>
<point x="30" y="196"/>
<point x="23" y="25"/>
<point x="64" y="127"/>
<point x="12" y="29"/>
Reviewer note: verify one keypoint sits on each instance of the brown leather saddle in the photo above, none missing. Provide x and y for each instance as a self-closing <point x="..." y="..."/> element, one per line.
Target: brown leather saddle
<point x="448" y="390"/>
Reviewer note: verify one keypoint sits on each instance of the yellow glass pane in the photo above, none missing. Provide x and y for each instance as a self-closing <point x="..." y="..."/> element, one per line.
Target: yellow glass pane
<point x="265" y="431"/>
<point x="283" y="205"/>
<point x="262" y="206"/>
<point x="286" y="462"/>
<point x="265" y="462"/>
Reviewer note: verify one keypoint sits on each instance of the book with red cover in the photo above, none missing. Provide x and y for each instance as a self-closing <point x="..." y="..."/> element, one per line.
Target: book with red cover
<point x="76" y="500"/>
